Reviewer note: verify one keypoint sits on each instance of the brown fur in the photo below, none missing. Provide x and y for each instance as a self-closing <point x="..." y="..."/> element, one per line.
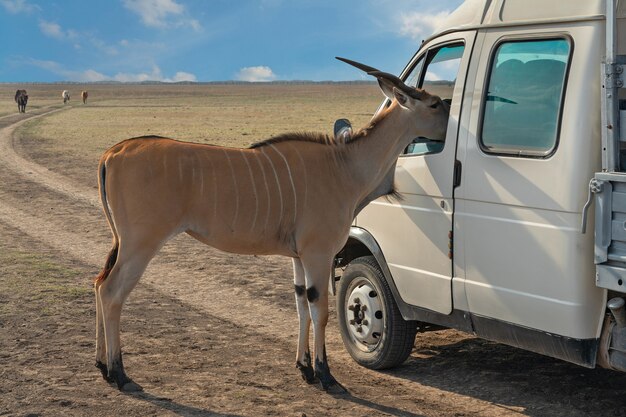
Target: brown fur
<point x="321" y="138"/>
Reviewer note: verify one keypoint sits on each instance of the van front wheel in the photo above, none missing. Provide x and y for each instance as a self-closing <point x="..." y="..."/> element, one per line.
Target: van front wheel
<point x="372" y="328"/>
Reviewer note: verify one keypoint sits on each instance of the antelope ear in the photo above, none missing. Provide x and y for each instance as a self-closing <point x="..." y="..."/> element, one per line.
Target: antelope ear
<point x="403" y="99"/>
<point x="387" y="88"/>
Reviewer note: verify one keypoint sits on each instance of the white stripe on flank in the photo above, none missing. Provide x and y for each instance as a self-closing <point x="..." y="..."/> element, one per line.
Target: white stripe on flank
<point x="306" y="184"/>
<point x="214" y="215"/>
<point x="267" y="190"/>
<point x="197" y="169"/>
<point x="256" y="199"/>
<point x="201" y="167"/>
<point x="232" y="172"/>
<point x="280" y="193"/>
<point x="293" y="187"/>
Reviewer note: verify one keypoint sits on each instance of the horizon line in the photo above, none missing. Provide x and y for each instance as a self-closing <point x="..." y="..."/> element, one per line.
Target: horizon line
<point x="156" y="82"/>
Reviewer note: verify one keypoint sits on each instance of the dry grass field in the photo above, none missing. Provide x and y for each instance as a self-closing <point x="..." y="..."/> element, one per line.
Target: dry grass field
<point x="208" y="333"/>
<point x="227" y="115"/>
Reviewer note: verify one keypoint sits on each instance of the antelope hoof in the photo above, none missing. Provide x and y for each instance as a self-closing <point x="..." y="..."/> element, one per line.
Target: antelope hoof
<point x="104" y="371"/>
<point x="328" y="382"/>
<point x="307" y="373"/>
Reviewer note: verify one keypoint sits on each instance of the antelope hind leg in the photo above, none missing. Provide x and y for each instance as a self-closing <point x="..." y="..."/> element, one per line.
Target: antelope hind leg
<point x="111" y="309"/>
<point x="100" y="348"/>
<point x="113" y="292"/>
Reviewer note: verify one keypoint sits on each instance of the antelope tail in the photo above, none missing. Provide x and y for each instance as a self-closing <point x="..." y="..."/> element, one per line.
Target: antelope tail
<point x="112" y="258"/>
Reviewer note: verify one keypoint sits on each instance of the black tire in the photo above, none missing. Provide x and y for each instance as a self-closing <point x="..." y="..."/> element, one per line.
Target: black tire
<point x="363" y="284"/>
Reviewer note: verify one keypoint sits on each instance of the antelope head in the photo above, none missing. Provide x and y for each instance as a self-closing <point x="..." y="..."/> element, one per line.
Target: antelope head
<point x="426" y="114"/>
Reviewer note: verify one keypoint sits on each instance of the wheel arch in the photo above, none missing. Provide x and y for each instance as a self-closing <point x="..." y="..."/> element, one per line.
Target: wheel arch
<point x="361" y="243"/>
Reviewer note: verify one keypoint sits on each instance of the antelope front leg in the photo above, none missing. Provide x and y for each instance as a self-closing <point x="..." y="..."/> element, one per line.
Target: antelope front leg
<point x="317" y="276"/>
<point x="303" y="355"/>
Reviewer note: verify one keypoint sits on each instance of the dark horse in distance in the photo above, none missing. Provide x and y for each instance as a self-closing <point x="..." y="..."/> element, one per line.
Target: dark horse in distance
<point x="21" y="98"/>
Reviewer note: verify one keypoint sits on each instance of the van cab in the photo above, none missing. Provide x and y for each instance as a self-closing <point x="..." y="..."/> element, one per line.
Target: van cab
<point x="514" y="228"/>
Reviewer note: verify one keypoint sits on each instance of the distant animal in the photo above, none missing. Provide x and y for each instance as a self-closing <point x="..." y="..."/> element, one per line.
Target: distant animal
<point x="66" y="96"/>
<point x="84" y="95"/>
<point x="294" y="195"/>
<point x="21" y="98"/>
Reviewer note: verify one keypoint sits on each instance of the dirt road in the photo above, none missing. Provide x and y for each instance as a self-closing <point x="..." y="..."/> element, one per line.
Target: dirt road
<point x="210" y="333"/>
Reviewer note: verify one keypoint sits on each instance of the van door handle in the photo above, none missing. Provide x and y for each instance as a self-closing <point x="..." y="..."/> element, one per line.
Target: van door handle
<point x="457" y="173"/>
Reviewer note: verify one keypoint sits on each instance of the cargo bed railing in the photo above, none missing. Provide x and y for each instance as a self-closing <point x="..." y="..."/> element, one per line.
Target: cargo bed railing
<point x="609" y="186"/>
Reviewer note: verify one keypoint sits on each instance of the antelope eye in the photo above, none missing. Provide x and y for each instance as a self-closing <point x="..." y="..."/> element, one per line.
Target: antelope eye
<point x="435" y="105"/>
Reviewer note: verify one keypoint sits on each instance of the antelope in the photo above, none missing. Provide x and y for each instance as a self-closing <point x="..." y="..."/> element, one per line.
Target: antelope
<point x="294" y="195"/>
<point x="84" y="95"/>
<point x="66" y="96"/>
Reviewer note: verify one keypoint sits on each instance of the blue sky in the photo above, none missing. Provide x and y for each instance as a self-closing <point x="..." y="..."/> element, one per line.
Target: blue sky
<point x="209" y="40"/>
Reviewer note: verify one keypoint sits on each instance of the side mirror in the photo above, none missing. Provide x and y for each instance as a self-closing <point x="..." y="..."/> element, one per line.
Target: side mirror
<point x="342" y="130"/>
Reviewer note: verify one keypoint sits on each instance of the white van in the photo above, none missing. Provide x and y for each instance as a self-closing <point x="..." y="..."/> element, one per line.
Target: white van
<point x="489" y="236"/>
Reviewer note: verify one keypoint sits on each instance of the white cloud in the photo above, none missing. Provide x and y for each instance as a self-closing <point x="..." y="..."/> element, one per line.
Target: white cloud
<point x="54" y="30"/>
<point x="162" y="13"/>
<point x="184" y="76"/>
<point x="154" y="75"/>
<point x="101" y="45"/>
<point x="255" y="74"/>
<point x="69" y="75"/>
<point x="132" y="78"/>
<point x="92" y="75"/>
<point x="417" y="25"/>
<point x="125" y="77"/>
<point x="19" y="6"/>
<point x="51" y="29"/>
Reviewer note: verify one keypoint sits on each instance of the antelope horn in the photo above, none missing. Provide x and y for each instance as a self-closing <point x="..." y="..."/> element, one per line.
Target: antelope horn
<point x="358" y="65"/>
<point x="380" y="75"/>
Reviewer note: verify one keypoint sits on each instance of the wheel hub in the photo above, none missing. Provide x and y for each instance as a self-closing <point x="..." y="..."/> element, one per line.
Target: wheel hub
<point x="364" y="313"/>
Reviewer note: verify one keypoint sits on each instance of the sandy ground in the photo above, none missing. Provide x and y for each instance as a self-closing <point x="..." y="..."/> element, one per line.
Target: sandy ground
<point x="210" y="333"/>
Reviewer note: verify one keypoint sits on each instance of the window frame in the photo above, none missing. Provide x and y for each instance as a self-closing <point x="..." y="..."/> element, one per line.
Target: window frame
<point x="427" y="54"/>
<point x="535" y="37"/>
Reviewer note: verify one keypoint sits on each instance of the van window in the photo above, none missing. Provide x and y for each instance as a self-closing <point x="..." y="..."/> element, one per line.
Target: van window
<point x="438" y="77"/>
<point x="522" y="107"/>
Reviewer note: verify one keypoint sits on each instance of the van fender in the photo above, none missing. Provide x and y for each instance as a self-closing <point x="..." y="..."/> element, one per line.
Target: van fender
<point x="362" y="243"/>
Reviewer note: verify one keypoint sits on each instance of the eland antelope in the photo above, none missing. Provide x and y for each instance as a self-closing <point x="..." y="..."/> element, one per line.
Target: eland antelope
<point x="66" y="96"/>
<point x="294" y="195"/>
<point x="84" y="95"/>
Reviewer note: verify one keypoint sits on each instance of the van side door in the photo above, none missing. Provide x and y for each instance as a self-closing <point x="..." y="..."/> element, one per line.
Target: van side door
<point x="528" y="152"/>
